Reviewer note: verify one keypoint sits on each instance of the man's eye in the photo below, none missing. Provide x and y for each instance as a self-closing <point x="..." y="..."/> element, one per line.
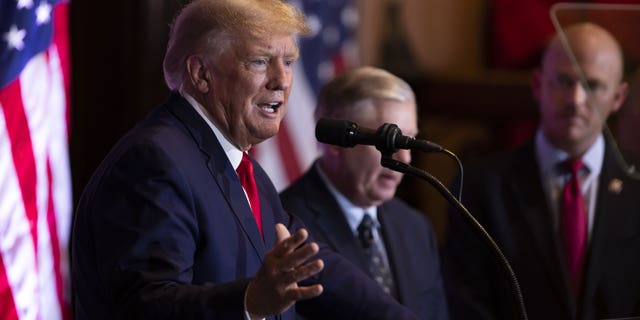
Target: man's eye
<point x="565" y="82"/>
<point x="595" y="86"/>
<point x="257" y="65"/>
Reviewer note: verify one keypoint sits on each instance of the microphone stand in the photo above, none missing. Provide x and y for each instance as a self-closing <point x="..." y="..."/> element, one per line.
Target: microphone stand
<point x="392" y="164"/>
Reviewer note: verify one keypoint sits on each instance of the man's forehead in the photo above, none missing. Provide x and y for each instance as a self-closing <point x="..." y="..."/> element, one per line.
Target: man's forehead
<point x="280" y="45"/>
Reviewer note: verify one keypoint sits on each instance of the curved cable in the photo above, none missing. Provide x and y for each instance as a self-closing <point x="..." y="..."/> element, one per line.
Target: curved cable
<point x="388" y="162"/>
<point x="460" y="170"/>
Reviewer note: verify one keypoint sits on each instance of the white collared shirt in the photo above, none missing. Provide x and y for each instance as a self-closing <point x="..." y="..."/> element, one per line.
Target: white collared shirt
<point x="352" y="213"/>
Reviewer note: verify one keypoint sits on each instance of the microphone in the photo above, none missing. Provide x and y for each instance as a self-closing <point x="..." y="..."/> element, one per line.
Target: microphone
<point x="387" y="138"/>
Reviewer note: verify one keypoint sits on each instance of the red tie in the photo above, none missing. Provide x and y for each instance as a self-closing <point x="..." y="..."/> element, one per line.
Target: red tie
<point x="245" y="173"/>
<point x="574" y="225"/>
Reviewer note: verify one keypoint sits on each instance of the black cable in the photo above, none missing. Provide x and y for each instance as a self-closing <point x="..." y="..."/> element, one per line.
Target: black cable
<point x="388" y="162"/>
<point x="460" y="170"/>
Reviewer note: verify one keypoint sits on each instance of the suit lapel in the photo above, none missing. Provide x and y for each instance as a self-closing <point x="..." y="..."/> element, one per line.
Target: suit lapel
<point x="530" y="202"/>
<point x="610" y="216"/>
<point x="330" y="219"/>
<point x="396" y="250"/>
<point x="220" y="168"/>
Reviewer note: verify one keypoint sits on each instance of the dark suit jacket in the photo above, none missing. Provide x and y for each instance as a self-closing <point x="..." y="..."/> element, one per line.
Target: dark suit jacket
<point x="164" y="231"/>
<point x="505" y="194"/>
<point x="409" y="241"/>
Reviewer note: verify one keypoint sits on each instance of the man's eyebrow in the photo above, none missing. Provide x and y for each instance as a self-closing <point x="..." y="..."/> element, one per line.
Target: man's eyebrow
<point x="267" y="51"/>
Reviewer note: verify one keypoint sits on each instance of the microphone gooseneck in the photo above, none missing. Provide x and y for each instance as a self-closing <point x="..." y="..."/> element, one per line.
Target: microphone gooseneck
<point x="388" y="139"/>
<point x="497" y="253"/>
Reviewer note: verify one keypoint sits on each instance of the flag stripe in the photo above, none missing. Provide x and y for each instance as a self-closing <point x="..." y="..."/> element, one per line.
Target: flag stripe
<point x="291" y="164"/>
<point x="22" y="153"/>
<point x="16" y="245"/>
<point x="61" y="41"/>
<point x="7" y="305"/>
<point x="55" y="247"/>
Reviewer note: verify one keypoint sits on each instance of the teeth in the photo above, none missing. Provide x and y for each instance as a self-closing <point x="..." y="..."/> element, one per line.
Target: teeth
<point x="271" y="107"/>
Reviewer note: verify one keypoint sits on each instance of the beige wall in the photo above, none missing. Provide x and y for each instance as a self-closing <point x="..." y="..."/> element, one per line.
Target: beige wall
<point x="445" y="37"/>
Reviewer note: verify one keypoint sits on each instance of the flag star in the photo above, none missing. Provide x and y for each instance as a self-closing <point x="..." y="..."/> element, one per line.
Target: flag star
<point x="25" y="4"/>
<point x="15" y="38"/>
<point x="43" y="13"/>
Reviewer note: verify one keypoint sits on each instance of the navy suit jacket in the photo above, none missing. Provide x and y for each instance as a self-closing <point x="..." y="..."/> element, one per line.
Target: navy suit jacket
<point x="409" y="241"/>
<point x="505" y="194"/>
<point x="163" y="230"/>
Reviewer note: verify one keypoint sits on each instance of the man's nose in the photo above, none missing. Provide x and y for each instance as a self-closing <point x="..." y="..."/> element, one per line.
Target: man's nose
<point x="578" y="94"/>
<point x="280" y="76"/>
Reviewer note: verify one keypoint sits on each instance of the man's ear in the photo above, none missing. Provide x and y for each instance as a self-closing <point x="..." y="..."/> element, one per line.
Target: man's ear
<point x="620" y="95"/>
<point x="199" y="75"/>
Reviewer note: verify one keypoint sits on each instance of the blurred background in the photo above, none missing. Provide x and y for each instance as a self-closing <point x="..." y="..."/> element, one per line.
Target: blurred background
<point x="76" y="75"/>
<point x="469" y="62"/>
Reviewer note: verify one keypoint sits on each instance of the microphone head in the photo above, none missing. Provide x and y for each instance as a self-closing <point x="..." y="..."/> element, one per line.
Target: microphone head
<point x="336" y="132"/>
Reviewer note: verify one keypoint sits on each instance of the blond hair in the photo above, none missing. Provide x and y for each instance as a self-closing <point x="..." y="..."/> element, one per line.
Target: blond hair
<point x="210" y="24"/>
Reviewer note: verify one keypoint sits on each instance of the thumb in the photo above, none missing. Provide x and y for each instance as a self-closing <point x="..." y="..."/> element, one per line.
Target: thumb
<point x="281" y="232"/>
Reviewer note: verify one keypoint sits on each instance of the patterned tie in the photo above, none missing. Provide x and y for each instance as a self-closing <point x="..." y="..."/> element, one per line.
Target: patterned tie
<point x="377" y="265"/>
<point x="245" y="173"/>
<point x="574" y="225"/>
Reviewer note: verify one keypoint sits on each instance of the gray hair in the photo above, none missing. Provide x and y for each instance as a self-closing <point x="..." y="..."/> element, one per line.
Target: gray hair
<point x="342" y="96"/>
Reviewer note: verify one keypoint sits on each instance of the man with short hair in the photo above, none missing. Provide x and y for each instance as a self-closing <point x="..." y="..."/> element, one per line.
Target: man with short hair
<point x="347" y="199"/>
<point x="561" y="207"/>
<point x="178" y="222"/>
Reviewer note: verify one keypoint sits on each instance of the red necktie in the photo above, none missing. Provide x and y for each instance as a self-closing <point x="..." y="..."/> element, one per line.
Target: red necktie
<point x="574" y="225"/>
<point x="245" y="173"/>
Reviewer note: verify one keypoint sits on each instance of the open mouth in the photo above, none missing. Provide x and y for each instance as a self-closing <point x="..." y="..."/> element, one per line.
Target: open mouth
<point x="270" y="107"/>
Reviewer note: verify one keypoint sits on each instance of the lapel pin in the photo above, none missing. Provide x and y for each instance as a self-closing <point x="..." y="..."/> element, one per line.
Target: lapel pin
<point x="615" y="186"/>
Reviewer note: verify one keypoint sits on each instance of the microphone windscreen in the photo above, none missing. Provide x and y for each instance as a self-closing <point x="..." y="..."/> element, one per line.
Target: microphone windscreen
<point x="336" y="132"/>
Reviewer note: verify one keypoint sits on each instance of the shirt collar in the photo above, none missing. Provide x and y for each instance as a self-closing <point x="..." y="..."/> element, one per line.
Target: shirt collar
<point x="233" y="154"/>
<point x="549" y="156"/>
<point x="352" y="213"/>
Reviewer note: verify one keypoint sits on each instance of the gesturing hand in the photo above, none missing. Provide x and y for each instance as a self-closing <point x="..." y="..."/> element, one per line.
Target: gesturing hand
<point x="274" y="288"/>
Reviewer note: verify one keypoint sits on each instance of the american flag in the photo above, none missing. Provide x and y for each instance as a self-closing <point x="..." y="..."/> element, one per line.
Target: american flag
<point x="35" y="183"/>
<point x="330" y="50"/>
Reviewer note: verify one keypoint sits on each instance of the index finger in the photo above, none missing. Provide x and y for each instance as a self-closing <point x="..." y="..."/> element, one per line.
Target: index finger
<point x="287" y="243"/>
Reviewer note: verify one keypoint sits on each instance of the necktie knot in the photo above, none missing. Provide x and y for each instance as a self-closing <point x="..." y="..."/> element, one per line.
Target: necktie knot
<point x="365" y="231"/>
<point x="572" y="165"/>
<point x="245" y="168"/>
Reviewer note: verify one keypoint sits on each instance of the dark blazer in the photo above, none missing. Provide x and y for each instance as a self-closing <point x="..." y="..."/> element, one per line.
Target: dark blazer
<point x="409" y="241"/>
<point x="505" y="194"/>
<point x="164" y="231"/>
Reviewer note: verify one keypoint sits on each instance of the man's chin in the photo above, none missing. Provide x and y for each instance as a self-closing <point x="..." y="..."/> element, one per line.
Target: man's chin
<point x="386" y="194"/>
<point x="265" y="132"/>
